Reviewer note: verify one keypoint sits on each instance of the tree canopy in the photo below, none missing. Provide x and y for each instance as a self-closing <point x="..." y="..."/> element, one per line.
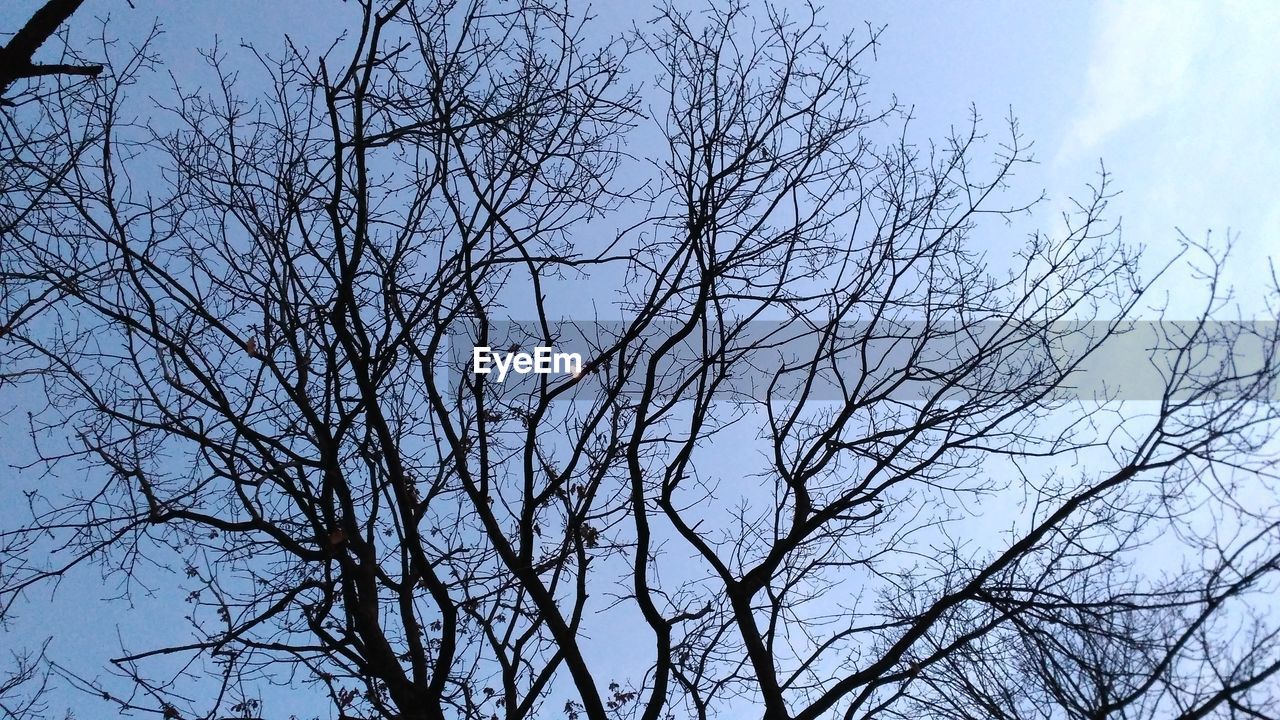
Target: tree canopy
<point x="827" y="456"/>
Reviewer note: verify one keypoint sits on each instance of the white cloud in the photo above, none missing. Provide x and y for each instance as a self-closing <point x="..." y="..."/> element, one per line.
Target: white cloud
<point x="1181" y="99"/>
<point x="1142" y="56"/>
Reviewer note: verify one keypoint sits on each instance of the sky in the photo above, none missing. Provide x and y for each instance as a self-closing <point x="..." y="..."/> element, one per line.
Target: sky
<point x="1177" y="99"/>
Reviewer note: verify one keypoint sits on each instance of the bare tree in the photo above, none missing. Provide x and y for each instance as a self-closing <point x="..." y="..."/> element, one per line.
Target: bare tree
<point x="46" y="128"/>
<point x="46" y="132"/>
<point x="756" y="499"/>
<point x="22" y="689"/>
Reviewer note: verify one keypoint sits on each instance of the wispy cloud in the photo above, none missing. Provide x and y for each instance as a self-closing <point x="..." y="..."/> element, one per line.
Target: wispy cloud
<point x="1181" y="99"/>
<point x="1153" y="59"/>
<point x="1141" y="63"/>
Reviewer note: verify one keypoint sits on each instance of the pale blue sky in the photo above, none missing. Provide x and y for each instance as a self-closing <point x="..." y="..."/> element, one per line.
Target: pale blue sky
<point x="1178" y="98"/>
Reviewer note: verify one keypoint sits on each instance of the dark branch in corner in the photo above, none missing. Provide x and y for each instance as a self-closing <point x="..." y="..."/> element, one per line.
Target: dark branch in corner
<point x="16" y="58"/>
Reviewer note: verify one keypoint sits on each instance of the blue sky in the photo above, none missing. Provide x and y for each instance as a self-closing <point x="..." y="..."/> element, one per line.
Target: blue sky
<point x="1179" y="100"/>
